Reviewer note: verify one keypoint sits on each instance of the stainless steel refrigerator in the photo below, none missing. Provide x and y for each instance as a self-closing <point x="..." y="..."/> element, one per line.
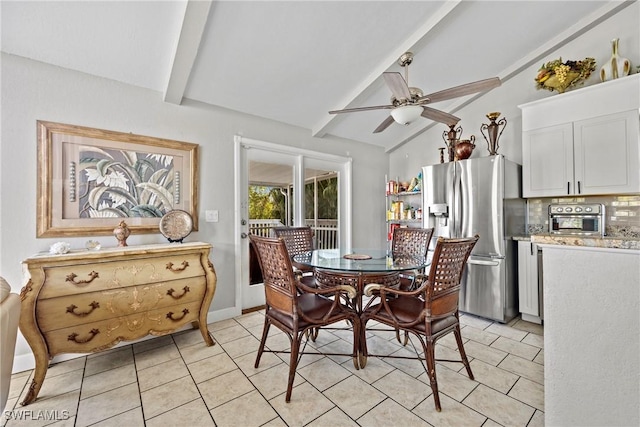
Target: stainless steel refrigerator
<point x="480" y="196"/>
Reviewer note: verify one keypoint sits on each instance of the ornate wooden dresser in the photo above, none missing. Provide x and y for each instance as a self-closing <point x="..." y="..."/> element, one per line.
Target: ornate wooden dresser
<point x="88" y="301"/>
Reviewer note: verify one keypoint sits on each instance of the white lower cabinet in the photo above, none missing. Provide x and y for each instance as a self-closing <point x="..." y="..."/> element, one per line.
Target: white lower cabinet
<point x="528" y="291"/>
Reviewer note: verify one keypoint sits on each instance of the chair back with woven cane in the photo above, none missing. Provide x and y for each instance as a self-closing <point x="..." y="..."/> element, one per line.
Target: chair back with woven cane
<point x="296" y="308"/>
<point x="299" y="240"/>
<point x="413" y="242"/>
<point x="430" y="311"/>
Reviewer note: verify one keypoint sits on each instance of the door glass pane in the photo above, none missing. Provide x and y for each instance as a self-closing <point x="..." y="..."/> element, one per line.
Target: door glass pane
<point x="321" y="206"/>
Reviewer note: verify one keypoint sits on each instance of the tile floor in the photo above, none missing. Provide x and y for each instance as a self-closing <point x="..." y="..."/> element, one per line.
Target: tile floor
<point x="177" y="380"/>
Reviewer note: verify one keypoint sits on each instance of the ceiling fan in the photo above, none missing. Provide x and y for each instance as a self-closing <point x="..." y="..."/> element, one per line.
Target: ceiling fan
<point x="409" y="103"/>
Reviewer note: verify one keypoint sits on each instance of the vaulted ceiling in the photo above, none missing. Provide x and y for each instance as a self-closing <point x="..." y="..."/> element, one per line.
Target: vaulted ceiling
<point x="293" y="61"/>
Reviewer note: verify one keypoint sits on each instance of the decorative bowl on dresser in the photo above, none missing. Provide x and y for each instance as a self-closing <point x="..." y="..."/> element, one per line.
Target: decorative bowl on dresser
<point x="89" y="301"/>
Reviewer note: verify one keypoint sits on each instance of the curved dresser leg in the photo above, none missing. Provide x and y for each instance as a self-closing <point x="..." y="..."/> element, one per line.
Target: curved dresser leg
<point x="42" y="364"/>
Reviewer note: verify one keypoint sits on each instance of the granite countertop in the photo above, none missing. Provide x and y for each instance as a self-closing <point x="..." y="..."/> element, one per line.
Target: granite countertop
<point x="613" y="242"/>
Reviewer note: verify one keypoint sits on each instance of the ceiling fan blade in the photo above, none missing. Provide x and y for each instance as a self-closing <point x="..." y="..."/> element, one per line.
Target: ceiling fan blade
<point x="439" y="116"/>
<point x="385" y="124"/>
<point x="398" y="86"/>
<point x="353" y="110"/>
<point x="462" y="90"/>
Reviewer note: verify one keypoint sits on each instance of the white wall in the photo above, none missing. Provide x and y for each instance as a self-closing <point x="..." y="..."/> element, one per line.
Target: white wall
<point x="520" y="89"/>
<point x="35" y="91"/>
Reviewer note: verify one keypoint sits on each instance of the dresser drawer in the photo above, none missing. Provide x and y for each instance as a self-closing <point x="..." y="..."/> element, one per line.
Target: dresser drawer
<point x="61" y="312"/>
<point x="97" y="336"/>
<point x="82" y="278"/>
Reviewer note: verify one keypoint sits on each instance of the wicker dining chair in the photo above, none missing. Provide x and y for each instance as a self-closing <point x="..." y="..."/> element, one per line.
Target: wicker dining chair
<point x="299" y="240"/>
<point x="413" y="242"/>
<point x="295" y="308"/>
<point x="429" y="312"/>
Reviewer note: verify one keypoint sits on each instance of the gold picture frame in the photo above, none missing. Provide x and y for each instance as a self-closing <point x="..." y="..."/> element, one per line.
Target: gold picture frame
<point x="91" y="179"/>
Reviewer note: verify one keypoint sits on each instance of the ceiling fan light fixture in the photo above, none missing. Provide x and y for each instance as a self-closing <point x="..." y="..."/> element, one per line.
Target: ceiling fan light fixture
<point x="406" y="114"/>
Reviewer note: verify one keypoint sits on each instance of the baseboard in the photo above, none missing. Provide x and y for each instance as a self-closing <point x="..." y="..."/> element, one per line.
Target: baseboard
<point x="25" y="362"/>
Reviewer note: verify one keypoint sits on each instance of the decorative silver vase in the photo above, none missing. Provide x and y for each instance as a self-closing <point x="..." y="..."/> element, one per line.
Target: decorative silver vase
<point x="492" y="132"/>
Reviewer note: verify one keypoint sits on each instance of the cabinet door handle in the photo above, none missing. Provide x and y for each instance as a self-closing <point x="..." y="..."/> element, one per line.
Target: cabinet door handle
<point x="74" y="337"/>
<point x="171" y="291"/>
<point x="72" y="309"/>
<point x="72" y="278"/>
<point x="184" y="264"/>
<point x="531" y="246"/>
<point x="568" y="187"/>
<point x="175" y="319"/>
<point x="579" y="190"/>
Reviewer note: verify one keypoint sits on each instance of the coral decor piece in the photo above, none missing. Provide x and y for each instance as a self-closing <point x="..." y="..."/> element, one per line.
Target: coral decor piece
<point x="59" y="248"/>
<point x="560" y="76"/>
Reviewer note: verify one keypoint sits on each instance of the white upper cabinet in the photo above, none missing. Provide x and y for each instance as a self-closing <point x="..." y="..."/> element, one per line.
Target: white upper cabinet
<point x="584" y="142"/>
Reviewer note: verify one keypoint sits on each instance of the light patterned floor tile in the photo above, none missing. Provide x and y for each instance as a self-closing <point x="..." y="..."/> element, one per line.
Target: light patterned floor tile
<point x="108" y="380"/>
<point x="500" y="408"/>
<point x="194" y="414"/>
<point x="225" y="387"/>
<point x="518" y="348"/>
<point x="506" y="331"/>
<point x="306" y="405"/>
<point x="390" y="413"/>
<point x="64" y="405"/>
<point x="211" y="367"/>
<point x="168" y="396"/>
<point x="161" y="374"/>
<point x="354" y="396"/>
<point x="107" y="405"/>
<point x="110" y="360"/>
<point x="273" y="381"/>
<point x="334" y="417"/>
<point x="199" y="351"/>
<point x="525" y="368"/>
<point x="478" y="335"/>
<point x="250" y="410"/>
<point x="402" y="388"/>
<point x="492" y="376"/>
<point x="453" y="414"/>
<point x="132" y="417"/>
<point x="248" y="396"/>
<point x="485" y="353"/>
<point x="529" y="392"/>
<point x="323" y="373"/>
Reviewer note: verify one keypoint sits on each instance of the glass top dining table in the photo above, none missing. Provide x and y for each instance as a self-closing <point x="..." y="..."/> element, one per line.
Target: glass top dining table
<point x="360" y="260"/>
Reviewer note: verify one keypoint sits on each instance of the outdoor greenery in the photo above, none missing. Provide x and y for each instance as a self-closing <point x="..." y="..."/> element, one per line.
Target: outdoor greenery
<point x="269" y="202"/>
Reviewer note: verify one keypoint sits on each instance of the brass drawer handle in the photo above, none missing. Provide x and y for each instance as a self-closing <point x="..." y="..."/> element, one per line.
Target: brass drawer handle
<point x="170" y="315"/>
<point x="171" y="291"/>
<point x="72" y="309"/>
<point x="72" y="278"/>
<point x="185" y="264"/>
<point x="74" y="337"/>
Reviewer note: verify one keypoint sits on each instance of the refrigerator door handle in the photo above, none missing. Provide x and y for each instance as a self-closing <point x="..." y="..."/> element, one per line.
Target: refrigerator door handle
<point x="483" y="262"/>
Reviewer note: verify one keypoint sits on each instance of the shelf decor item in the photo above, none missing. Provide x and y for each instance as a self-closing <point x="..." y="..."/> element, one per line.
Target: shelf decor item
<point x="560" y="76"/>
<point x="451" y="137"/>
<point x="464" y="148"/>
<point x="492" y="135"/>
<point x="617" y="66"/>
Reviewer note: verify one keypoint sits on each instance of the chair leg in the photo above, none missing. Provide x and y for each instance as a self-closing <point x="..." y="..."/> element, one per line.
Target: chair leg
<point x="293" y="362"/>
<point x="265" y="332"/>
<point x="463" y="355"/>
<point x="430" y="355"/>
<point x="356" y="342"/>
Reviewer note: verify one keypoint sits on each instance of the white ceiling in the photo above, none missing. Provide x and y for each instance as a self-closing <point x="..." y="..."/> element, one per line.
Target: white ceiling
<point x="294" y="61"/>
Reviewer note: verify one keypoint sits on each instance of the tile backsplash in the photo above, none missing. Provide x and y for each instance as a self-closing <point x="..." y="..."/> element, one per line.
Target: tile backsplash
<point x="622" y="213"/>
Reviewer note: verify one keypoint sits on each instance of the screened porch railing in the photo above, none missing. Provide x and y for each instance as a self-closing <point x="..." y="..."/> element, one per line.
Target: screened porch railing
<point x="325" y="232"/>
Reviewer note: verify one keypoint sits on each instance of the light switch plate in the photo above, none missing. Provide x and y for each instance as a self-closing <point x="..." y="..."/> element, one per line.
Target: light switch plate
<point x="211" y="215"/>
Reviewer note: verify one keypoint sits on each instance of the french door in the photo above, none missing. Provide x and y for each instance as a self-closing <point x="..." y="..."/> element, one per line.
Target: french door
<point x="293" y="173"/>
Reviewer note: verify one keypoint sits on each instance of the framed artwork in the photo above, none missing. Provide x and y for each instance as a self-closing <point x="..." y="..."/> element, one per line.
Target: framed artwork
<point x="91" y="179"/>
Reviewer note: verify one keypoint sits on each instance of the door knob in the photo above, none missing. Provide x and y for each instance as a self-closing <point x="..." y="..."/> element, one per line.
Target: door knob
<point x="244" y="235"/>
